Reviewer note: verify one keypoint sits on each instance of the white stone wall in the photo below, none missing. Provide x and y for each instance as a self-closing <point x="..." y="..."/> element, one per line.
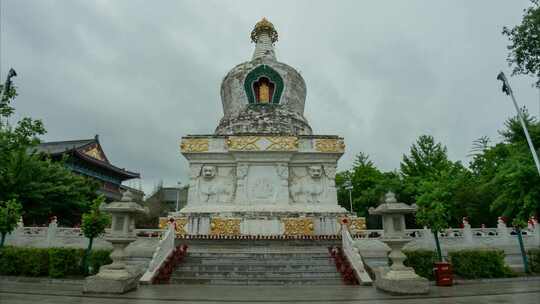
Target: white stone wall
<point x="500" y="238"/>
<point x="261" y="177"/>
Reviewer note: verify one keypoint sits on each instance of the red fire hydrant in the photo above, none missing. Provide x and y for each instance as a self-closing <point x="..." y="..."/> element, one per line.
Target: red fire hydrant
<point x="443" y="274"/>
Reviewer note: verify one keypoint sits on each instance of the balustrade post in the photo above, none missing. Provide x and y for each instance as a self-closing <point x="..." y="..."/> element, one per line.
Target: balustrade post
<point x="536" y="230"/>
<point x="467" y="232"/>
<point x="428" y="237"/>
<point x="502" y="230"/>
<point x="51" y="231"/>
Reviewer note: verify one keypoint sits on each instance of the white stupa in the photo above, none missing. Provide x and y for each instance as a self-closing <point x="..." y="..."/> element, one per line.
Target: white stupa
<point x="262" y="172"/>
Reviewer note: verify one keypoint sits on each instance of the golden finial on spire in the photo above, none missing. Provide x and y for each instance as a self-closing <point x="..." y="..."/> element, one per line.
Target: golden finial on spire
<point x="264" y="26"/>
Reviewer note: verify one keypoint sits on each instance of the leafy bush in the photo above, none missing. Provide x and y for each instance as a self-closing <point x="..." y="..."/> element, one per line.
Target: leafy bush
<point x="53" y="262"/>
<point x="97" y="259"/>
<point x="474" y="264"/>
<point x="422" y="262"/>
<point x="534" y="260"/>
<point x="64" y="262"/>
<point x="24" y="261"/>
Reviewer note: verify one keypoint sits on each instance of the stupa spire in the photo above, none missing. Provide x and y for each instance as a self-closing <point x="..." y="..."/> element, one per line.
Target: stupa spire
<point x="264" y="35"/>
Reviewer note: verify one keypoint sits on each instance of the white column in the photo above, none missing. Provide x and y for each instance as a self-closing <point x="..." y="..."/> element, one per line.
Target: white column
<point x="51" y="232"/>
<point x="502" y="231"/>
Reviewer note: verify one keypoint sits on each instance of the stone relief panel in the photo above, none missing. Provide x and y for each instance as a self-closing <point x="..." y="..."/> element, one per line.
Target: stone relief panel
<point x="308" y="184"/>
<point x="263" y="185"/>
<point x="242" y="171"/>
<point x="215" y="184"/>
<point x="193" y="191"/>
<point x="331" y="193"/>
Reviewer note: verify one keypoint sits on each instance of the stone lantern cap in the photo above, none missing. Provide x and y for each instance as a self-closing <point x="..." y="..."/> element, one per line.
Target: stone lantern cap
<point x="392" y="206"/>
<point x="125" y="205"/>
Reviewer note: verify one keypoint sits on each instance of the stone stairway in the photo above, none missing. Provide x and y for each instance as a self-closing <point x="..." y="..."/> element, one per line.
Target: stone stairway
<point x="276" y="262"/>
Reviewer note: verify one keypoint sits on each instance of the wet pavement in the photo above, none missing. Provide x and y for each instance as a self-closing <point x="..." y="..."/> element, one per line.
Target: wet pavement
<point x="20" y="290"/>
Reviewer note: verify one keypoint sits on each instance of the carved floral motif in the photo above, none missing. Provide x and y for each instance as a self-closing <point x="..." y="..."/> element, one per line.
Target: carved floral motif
<point x="163" y="221"/>
<point x="298" y="226"/>
<point x="262" y="143"/>
<point x="330" y="145"/>
<point x="180" y="226"/>
<point x="221" y="226"/>
<point x="357" y="225"/>
<point x="189" y="145"/>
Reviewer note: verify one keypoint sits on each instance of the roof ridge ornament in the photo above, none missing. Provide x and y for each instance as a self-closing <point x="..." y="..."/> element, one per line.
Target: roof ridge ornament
<point x="264" y="35"/>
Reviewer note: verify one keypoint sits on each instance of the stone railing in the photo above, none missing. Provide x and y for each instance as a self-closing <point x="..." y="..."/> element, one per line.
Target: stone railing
<point x="54" y="236"/>
<point x="163" y="251"/>
<point x="500" y="238"/>
<point x="354" y="258"/>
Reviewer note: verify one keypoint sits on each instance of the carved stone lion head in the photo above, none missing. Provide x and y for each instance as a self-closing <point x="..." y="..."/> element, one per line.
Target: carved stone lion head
<point x="209" y="171"/>
<point x="315" y="171"/>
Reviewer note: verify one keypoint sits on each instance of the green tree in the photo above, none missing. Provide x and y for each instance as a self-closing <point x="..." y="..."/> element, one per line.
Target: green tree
<point x="93" y="225"/>
<point x="426" y="158"/>
<point x="505" y="173"/>
<point x="42" y="187"/>
<point x="10" y="213"/>
<point x="368" y="182"/>
<point x="524" y="46"/>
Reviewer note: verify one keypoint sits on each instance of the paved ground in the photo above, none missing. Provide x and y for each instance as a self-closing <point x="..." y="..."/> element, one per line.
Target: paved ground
<point x="18" y="292"/>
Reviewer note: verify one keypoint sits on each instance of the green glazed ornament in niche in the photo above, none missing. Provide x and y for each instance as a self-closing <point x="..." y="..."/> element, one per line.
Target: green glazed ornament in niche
<point x="260" y="73"/>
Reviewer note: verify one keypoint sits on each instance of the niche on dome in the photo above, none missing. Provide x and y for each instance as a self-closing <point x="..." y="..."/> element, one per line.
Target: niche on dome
<point x="263" y="85"/>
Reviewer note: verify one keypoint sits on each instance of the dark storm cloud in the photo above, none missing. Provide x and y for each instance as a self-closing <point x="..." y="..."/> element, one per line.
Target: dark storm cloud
<point x="142" y="74"/>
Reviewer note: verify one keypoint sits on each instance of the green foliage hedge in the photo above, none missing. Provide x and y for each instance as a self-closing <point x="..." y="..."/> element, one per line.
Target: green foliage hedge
<point x="422" y="262"/>
<point x="467" y="264"/>
<point x="534" y="260"/>
<point x="52" y="262"/>
<point x="476" y="264"/>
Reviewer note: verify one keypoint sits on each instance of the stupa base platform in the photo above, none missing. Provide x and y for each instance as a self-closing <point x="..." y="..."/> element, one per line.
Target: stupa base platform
<point x="232" y="221"/>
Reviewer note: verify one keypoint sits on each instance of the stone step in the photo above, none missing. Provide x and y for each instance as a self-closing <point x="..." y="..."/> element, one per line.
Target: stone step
<point x="245" y="262"/>
<point x="260" y="243"/>
<point x="255" y="274"/>
<point x="274" y="255"/>
<point x="186" y="267"/>
<point x="269" y="281"/>
<point x="263" y="262"/>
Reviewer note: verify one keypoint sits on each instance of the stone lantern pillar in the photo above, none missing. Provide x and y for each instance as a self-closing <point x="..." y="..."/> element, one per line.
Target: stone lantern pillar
<point x="118" y="277"/>
<point x="398" y="278"/>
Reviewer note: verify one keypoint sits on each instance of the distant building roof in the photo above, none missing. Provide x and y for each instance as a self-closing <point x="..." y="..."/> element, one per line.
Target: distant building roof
<point x="88" y="150"/>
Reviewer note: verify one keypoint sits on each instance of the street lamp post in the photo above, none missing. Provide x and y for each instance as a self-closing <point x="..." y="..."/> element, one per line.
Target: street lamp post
<point x="348" y="186"/>
<point x="508" y="90"/>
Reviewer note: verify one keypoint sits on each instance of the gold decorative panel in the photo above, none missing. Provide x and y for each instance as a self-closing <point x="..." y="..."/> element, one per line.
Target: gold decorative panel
<point x="298" y="226"/>
<point x="357" y="224"/>
<point x="222" y="226"/>
<point x="180" y="223"/>
<point x="95" y="153"/>
<point x="262" y="143"/>
<point x="181" y="226"/>
<point x="330" y="145"/>
<point x="243" y="143"/>
<point x="163" y="221"/>
<point x="282" y="143"/>
<point x="189" y="145"/>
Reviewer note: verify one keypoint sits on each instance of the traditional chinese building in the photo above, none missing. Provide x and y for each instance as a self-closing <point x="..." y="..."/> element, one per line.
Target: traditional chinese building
<point x="86" y="157"/>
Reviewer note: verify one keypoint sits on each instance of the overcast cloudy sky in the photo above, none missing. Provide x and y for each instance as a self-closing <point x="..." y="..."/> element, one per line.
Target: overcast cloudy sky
<point x="141" y="74"/>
